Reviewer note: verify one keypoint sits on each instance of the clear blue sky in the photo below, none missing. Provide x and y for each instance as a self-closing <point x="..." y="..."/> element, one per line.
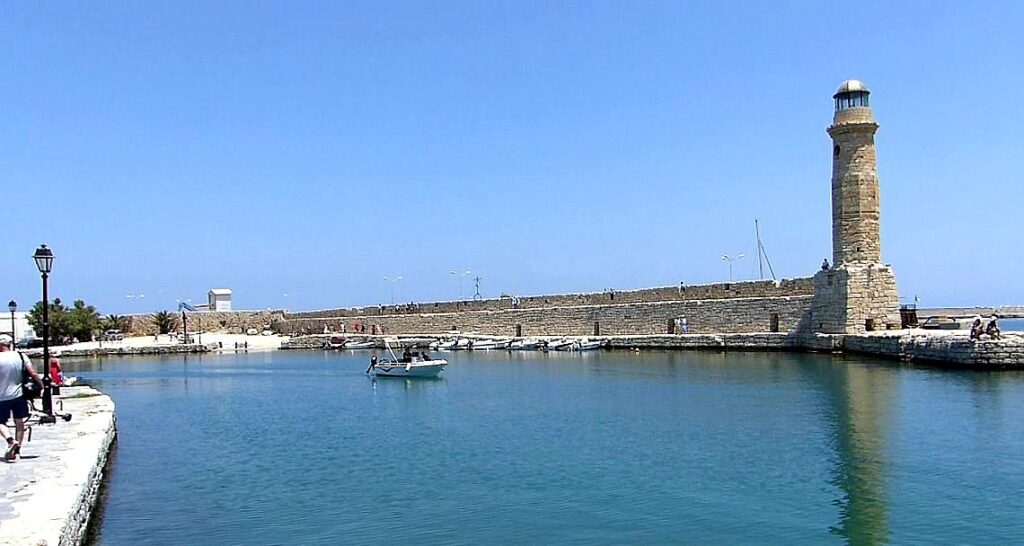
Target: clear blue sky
<point x="309" y="149"/>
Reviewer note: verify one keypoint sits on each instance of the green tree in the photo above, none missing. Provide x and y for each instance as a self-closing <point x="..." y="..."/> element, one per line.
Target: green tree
<point x="83" y="321"/>
<point x="165" y="321"/>
<point x="79" y="322"/>
<point x="58" y="320"/>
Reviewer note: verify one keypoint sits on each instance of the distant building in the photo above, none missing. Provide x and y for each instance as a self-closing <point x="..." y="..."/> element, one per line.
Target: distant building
<point x="220" y="299"/>
<point x="22" y="329"/>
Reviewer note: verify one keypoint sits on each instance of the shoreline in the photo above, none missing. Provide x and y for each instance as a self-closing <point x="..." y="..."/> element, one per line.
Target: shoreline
<point x="950" y="348"/>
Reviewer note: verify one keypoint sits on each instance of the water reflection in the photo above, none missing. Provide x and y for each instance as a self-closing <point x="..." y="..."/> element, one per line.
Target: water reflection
<point x="406" y="383"/>
<point x="860" y="398"/>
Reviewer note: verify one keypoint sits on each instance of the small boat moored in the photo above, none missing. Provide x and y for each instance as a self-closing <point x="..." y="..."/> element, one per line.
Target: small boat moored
<point x="335" y="343"/>
<point x="489" y="344"/>
<point x="368" y="344"/>
<point x="443" y="344"/>
<point x="585" y="345"/>
<point x="560" y="344"/>
<point x="528" y="344"/>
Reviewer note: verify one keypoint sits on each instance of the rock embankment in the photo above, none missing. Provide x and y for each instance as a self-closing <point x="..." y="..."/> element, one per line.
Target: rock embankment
<point x="949" y="349"/>
<point x="127" y="350"/>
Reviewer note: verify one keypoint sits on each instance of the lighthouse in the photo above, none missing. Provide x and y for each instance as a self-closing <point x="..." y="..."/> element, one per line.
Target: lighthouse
<point x="858" y="292"/>
<point x="856" y="236"/>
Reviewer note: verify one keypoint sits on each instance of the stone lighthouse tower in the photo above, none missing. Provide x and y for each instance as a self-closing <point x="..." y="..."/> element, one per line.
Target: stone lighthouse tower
<point x="858" y="293"/>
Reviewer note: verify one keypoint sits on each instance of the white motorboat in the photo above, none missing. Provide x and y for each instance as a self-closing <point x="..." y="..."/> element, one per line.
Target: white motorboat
<point x="443" y="344"/>
<point x="416" y="341"/>
<point x="412" y="364"/>
<point x="528" y="344"/>
<point x="489" y="344"/>
<point x="585" y="345"/>
<point x="463" y="344"/>
<point x="369" y="344"/>
<point x="560" y="344"/>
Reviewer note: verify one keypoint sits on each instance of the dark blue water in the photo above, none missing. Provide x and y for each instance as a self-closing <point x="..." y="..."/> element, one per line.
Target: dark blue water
<point x="602" y="448"/>
<point x="1011" y="325"/>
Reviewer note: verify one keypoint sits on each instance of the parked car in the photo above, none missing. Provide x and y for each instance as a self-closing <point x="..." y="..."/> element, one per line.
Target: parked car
<point x="33" y="343"/>
<point x="252" y="332"/>
<point x="112" y="335"/>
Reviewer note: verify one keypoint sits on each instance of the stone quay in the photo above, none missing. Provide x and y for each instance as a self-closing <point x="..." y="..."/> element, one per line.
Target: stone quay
<point x="49" y="495"/>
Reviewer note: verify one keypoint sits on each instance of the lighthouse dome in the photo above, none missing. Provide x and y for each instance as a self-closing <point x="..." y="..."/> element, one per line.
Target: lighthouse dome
<point x="851" y="86"/>
<point x="851" y="94"/>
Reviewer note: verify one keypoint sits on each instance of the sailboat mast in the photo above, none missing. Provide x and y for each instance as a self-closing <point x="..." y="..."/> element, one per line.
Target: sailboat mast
<point x="762" y="255"/>
<point x="760" y="251"/>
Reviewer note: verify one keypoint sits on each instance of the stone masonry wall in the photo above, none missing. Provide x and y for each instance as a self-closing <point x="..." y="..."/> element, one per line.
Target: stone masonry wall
<point x="76" y="526"/>
<point x="850" y="297"/>
<point x="703" y="316"/>
<point x="748" y="289"/>
<point x="210" y="321"/>
<point x="958" y="350"/>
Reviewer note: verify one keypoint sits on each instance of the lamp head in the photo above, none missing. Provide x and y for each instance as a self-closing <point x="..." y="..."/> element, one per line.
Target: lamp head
<point x="44" y="259"/>
<point x="12" y="305"/>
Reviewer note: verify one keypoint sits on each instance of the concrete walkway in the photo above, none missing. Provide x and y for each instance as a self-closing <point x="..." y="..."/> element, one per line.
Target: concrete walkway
<point x="47" y="496"/>
<point x="256" y="343"/>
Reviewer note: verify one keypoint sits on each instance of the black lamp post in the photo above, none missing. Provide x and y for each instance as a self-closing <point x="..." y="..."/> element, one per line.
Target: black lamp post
<point x="13" y="306"/>
<point x="44" y="262"/>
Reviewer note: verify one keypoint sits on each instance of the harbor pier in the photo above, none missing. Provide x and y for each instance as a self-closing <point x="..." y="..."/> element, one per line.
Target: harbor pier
<point x="49" y="495"/>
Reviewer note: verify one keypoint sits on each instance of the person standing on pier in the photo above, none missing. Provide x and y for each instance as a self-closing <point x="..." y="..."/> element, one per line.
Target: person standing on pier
<point x="13" y="367"/>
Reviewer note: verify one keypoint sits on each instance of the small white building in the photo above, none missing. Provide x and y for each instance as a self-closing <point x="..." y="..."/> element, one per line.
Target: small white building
<point x="220" y="299"/>
<point x="22" y="329"/>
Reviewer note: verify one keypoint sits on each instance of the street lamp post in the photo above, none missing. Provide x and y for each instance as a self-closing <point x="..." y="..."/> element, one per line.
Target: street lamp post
<point x="13" y="306"/>
<point x="393" y="281"/>
<point x="44" y="263"/>
<point x="725" y="257"/>
<point x="460" y="276"/>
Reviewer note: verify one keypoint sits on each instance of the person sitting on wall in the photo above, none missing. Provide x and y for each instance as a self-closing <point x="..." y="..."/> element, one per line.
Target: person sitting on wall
<point x="993" y="329"/>
<point x="824" y="265"/>
<point x="977" y="329"/>
<point x="56" y="372"/>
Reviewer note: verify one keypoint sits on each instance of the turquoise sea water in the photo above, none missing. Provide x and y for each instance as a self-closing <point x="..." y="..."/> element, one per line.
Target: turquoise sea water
<point x="600" y="448"/>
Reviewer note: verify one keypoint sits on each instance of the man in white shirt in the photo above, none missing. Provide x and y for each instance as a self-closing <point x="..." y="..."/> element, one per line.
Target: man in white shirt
<point x="11" y="400"/>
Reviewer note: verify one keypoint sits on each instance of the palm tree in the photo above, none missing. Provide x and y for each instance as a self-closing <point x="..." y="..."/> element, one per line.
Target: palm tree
<point x="115" y="322"/>
<point x="164" y="321"/>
